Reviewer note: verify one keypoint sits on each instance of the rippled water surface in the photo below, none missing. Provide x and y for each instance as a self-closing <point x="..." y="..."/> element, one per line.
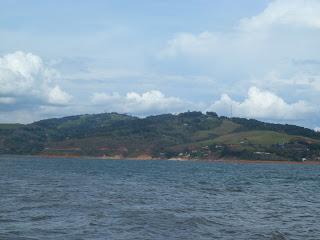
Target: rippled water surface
<point x="104" y="199"/>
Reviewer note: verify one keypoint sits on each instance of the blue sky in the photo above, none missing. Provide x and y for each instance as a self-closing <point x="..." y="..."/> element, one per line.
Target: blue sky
<point x="61" y="58"/>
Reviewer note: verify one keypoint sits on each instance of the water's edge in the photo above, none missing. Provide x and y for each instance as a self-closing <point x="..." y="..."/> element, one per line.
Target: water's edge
<point x="233" y="160"/>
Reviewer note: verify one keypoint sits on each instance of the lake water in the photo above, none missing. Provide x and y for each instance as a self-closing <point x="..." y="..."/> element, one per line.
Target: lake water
<point x="110" y="199"/>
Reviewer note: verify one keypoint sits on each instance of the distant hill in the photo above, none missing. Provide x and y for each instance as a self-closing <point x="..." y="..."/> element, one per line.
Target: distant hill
<point x="189" y="135"/>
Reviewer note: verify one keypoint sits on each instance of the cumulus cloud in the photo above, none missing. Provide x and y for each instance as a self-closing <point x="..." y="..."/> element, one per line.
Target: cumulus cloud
<point x="299" y="13"/>
<point x="58" y="96"/>
<point x="262" y="104"/>
<point x="26" y="76"/>
<point x="150" y="102"/>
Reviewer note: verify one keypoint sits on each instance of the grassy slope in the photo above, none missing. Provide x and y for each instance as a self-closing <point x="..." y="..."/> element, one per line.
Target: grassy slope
<point x="226" y="127"/>
<point x="255" y="137"/>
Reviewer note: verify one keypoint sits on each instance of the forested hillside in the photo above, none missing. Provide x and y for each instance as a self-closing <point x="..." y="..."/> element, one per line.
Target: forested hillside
<point x="189" y="135"/>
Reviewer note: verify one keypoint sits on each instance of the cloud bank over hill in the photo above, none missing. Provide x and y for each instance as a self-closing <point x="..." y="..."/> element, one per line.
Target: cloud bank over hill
<point x="262" y="104"/>
<point x="151" y="102"/>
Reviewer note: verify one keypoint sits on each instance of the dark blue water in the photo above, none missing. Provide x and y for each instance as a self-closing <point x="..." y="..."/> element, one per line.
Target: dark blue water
<point x="105" y="199"/>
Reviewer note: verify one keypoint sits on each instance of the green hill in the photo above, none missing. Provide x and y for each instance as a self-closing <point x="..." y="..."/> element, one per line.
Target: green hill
<point x="189" y="135"/>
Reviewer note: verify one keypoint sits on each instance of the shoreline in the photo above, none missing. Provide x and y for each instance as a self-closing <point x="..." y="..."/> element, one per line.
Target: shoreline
<point x="145" y="158"/>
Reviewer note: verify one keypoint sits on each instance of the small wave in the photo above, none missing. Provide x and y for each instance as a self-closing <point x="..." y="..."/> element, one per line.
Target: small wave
<point x="40" y="218"/>
<point x="278" y="236"/>
<point x="200" y="221"/>
<point x="10" y="236"/>
<point x="8" y="221"/>
<point x="234" y="189"/>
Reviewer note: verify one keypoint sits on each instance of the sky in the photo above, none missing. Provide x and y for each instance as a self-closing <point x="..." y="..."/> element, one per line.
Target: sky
<point x="254" y="59"/>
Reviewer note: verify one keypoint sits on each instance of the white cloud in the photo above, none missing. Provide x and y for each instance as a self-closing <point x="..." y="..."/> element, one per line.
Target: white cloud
<point x="57" y="96"/>
<point x="150" y="102"/>
<point x="298" y="13"/>
<point x="25" y="75"/>
<point x="262" y="104"/>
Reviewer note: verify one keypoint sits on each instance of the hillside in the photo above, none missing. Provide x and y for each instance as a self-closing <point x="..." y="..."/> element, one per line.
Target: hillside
<point x="189" y="135"/>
